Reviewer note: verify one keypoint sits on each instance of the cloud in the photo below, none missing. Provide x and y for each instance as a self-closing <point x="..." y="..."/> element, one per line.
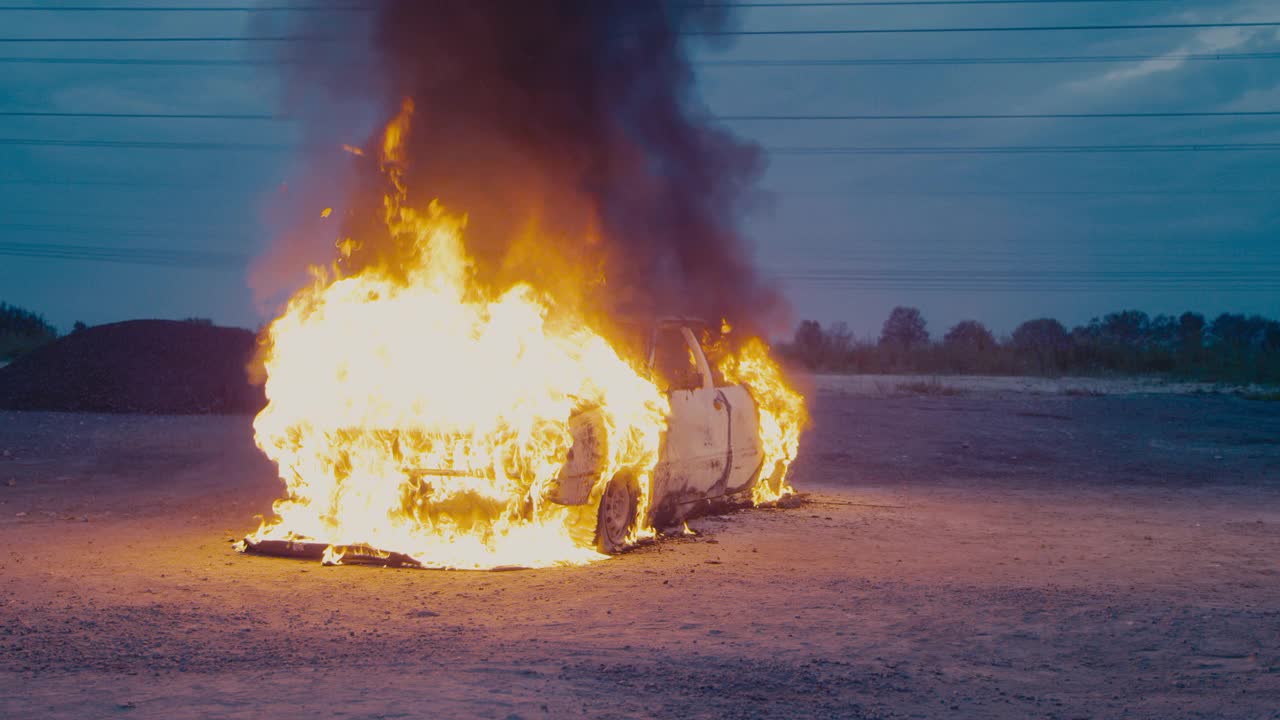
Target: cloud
<point x="1205" y="42"/>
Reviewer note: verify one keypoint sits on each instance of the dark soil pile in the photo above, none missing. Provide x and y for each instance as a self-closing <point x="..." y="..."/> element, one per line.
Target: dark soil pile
<point x="140" y="366"/>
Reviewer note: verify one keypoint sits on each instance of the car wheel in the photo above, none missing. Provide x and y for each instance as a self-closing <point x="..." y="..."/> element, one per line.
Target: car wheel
<point x="616" y="519"/>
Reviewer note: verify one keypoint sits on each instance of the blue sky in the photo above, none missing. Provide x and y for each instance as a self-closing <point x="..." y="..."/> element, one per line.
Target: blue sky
<point x="999" y="238"/>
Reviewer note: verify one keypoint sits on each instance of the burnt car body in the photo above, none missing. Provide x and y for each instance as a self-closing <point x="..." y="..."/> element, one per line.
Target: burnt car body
<point x="710" y="453"/>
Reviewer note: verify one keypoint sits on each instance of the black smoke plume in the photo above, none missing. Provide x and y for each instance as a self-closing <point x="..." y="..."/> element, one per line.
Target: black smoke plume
<point x="575" y="121"/>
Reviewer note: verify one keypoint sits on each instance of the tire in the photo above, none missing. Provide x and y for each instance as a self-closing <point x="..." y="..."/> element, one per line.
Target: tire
<point x="616" y="516"/>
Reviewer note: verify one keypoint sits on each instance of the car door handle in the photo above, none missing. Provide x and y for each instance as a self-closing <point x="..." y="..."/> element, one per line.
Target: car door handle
<point x="718" y="404"/>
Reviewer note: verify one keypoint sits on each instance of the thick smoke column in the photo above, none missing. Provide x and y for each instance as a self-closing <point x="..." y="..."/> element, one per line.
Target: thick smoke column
<point x="573" y="121"/>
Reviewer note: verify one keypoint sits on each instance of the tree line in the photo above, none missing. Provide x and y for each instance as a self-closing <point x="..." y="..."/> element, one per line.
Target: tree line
<point x="22" y="331"/>
<point x="1231" y="347"/>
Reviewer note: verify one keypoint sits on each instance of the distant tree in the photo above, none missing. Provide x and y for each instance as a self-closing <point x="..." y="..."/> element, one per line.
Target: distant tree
<point x="817" y="348"/>
<point x="840" y="346"/>
<point x="809" y="343"/>
<point x="968" y="347"/>
<point x="1043" y="341"/>
<point x="198" y="321"/>
<point x="1190" y="333"/>
<point x="79" y="326"/>
<point x="1245" y="347"/>
<point x="1128" y="328"/>
<point x="969" y="336"/>
<point x="905" y="329"/>
<point x="1270" y="337"/>
<point x="1162" y="334"/>
<point x="1236" y="333"/>
<point x="1158" y="351"/>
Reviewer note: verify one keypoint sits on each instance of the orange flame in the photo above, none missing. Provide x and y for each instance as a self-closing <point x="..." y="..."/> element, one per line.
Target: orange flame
<point x="782" y="415"/>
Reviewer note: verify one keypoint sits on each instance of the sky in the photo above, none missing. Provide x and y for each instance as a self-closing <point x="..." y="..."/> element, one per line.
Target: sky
<point x="998" y="237"/>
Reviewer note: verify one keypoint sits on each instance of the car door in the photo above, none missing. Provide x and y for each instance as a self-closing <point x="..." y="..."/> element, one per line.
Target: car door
<point x="695" y="455"/>
<point x="744" y="437"/>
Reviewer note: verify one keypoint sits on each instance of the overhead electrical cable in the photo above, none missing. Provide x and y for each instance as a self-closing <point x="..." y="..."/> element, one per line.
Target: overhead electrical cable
<point x="1025" y="149"/>
<point x="174" y="62"/>
<point x="188" y="39"/>
<point x="880" y="192"/>
<point x="728" y="63"/>
<point x="994" y="60"/>
<point x="144" y="256"/>
<point x="984" y="29"/>
<point x="151" y="144"/>
<point x="911" y="3"/>
<point x="796" y="193"/>
<point x="763" y="118"/>
<point x="780" y="150"/>
<point x="189" y="230"/>
<point x="1008" y="116"/>
<point x="138" y="116"/>
<point x="366" y="8"/>
<point x="707" y="33"/>
<point x="924" y="281"/>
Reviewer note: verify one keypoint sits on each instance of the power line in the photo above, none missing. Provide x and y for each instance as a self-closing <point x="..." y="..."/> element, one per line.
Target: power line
<point x="149" y="145"/>
<point x="201" y="230"/>
<point x="197" y="39"/>
<point x="324" y="8"/>
<point x="1023" y="60"/>
<point x="709" y="33"/>
<point x="1022" y="261"/>
<point x="1016" y="274"/>
<point x="991" y="116"/>
<point x="1043" y="287"/>
<point x="1005" y="116"/>
<point x="1036" y="280"/>
<point x="127" y="255"/>
<point x="915" y="280"/>
<point x="879" y="192"/>
<point x="982" y="29"/>
<point x="831" y="150"/>
<point x="913" y="3"/>
<point x="837" y="62"/>
<point x="175" y="62"/>
<point x="163" y="116"/>
<point x="202" y="9"/>
<point x="1025" y="149"/>
<point x="128" y="185"/>
<point x="853" y="192"/>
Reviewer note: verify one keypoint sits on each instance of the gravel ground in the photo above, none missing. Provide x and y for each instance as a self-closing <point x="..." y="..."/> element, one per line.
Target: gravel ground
<point x="982" y="555"/>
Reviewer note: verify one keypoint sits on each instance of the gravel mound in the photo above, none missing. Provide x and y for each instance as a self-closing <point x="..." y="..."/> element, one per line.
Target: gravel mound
<point x="139" y="366"/>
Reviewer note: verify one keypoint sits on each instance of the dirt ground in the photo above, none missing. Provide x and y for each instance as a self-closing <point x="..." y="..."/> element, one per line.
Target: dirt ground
<point x="986" y="555"/>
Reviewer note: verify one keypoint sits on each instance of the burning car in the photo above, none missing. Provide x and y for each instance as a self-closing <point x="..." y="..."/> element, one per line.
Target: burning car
<point x="421" y="412"/>
<point x="711" y="455"/>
